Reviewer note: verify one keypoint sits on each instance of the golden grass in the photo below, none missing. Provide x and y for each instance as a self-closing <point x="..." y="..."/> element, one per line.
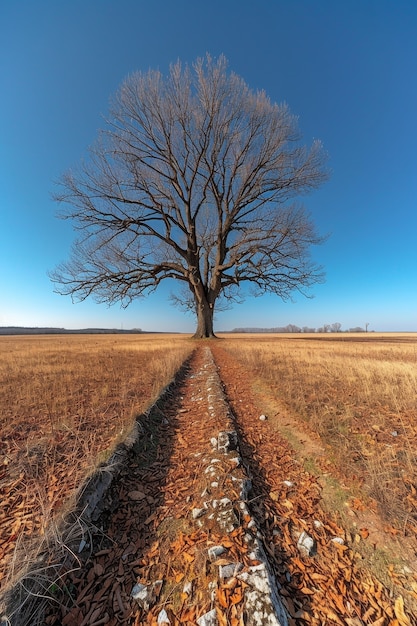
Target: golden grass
<point x="65" y="401"/>
<point x="358" y="393"/>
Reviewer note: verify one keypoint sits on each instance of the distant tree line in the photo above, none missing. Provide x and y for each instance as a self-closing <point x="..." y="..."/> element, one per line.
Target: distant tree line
<point x="23" y="330"/>
<point x="336" y="327"/>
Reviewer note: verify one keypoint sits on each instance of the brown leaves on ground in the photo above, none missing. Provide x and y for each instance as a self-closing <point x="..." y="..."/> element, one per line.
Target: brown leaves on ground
<point x="64" y="401"/>
<point x="330" y="587"/>
<point x="150" y="535"/>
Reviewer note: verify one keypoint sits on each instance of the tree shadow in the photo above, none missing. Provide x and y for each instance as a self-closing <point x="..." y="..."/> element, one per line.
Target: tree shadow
<point x="261" y="505"/>
<point x="268" y="518"/>
<point x="100" y="570"/>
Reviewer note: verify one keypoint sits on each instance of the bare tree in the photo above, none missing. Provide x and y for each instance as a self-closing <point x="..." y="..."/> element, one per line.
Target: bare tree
<point x="192" y="180"/>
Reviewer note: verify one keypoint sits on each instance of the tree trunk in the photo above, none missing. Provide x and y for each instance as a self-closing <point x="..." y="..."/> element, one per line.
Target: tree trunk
<point x="204" y="321"/>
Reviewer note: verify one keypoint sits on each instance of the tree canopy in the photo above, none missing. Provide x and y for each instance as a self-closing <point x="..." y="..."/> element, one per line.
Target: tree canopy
<point x="194" y="178"/>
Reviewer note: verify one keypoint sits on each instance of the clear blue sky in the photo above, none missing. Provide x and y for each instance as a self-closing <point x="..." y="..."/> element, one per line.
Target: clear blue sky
<point x="346" y="68"/>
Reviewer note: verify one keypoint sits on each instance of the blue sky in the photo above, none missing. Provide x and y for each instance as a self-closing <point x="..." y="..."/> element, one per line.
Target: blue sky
<point x="346" y="68"/>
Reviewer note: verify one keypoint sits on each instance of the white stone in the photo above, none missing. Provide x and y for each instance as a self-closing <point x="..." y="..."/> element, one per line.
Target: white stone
<point x="262" y="602"/>
<point x="227" y="440"/>
<point x="163" y="617"/>
<point x="229" y="570"/>
<point x="215" y="551"/>
<point x="208" y="619"/>
<point x="263" y="417"/>
<point x="144" y="595"/>
<point x="338" y="540"/>
<point x="306" y="544"/>
<point x="188" y="587"/>
<point x="138" y="591"/>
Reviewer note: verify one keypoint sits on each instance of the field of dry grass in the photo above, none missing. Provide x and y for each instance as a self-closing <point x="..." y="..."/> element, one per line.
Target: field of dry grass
<point x="358" y="394"/>
<point x="65" y="401"/>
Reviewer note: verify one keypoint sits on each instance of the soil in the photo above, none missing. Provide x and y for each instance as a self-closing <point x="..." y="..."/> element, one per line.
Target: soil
<point x="149" y="532"/>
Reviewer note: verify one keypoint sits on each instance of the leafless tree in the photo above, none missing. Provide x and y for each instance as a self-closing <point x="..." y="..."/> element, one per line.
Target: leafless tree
<point x="193" y="179"/>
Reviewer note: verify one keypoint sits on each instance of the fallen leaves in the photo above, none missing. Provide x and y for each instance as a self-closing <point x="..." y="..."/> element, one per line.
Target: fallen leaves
<point x="154" y="537"/>
<point x="399" y="612"/>
<point x="188" y="558"/>
<point x="329" y="588"/>
<point x="364" y="533"/>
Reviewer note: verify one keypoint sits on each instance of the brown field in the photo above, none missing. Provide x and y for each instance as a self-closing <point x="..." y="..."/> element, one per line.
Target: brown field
<point x="65" y="401"/>
<point x="357" y="394"/>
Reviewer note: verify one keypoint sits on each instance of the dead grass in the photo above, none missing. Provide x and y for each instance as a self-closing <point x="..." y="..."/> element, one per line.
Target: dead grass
<point x="358" y="393"/>
<point x="65" y="402"/>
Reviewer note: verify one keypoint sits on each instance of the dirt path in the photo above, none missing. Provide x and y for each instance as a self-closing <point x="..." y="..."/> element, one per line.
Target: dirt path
<point x="187" y="539"/>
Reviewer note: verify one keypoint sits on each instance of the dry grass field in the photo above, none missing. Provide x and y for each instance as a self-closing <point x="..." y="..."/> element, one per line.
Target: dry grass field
<point x="357" y="393"/>
<point x="65" y="401"/>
